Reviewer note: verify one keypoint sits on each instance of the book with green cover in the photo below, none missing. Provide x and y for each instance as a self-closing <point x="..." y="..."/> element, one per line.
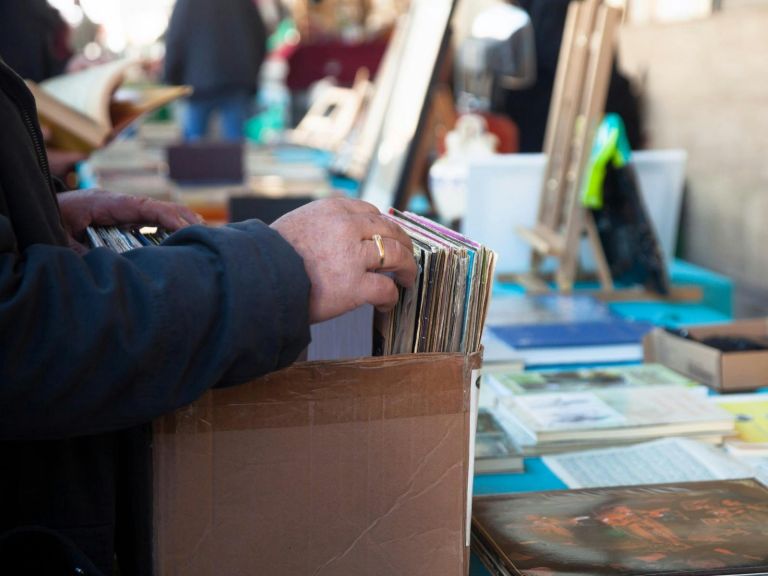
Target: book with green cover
<point x="535" y="381"/>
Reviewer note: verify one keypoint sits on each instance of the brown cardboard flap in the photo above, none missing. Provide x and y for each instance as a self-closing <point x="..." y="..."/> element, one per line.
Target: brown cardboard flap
<point x="754" y="327"/>
<point x="325" y="468"/>
<point x="338" y="391"/>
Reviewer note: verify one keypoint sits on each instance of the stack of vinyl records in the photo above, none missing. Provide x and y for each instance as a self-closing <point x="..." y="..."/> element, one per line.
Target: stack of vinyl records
<point x="122" y="240"/>
<point x="445" y="310"/>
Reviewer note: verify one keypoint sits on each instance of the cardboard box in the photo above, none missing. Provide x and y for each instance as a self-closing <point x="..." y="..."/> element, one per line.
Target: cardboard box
<point x="336" y="468"/>
<point x="723" y="371"/>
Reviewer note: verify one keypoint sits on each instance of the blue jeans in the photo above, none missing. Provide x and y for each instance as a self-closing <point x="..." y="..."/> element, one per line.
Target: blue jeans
<point x="233" y="111"/>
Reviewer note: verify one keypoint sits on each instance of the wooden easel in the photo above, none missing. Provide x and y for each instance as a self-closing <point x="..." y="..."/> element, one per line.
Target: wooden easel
<point x="578" y="104"/>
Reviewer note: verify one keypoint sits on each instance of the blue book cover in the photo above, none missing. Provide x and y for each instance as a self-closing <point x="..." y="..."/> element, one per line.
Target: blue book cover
<point x="602" y="332"/>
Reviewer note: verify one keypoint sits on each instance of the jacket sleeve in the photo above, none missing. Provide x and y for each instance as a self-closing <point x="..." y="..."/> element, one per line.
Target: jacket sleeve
<point x="103" y="341"/>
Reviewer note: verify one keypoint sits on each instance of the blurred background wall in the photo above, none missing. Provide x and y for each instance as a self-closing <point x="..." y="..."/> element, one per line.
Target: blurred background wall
<point x="705" y="87"/>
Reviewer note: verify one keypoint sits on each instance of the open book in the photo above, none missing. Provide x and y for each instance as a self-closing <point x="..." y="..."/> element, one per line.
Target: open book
<point x="84" y="110"/>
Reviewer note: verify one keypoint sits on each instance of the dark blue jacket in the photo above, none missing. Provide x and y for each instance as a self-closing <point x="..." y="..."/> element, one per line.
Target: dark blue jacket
<point x="93" y="345"/>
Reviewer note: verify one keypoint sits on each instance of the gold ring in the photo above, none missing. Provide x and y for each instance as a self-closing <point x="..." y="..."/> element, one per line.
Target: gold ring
<point x="380" y="247"/>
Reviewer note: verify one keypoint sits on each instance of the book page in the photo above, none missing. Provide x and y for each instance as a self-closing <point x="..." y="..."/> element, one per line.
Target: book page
<point x="568" y="411"/>
<point x="70" y="129"/>
<point x="660" y="461"/>
<point x="128" y="104"/>
<point x="89" y="91"/>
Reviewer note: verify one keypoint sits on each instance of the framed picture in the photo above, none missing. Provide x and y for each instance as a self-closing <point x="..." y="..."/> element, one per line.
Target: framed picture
<point x="354" y="155"/>
<point x="423" y="45"/>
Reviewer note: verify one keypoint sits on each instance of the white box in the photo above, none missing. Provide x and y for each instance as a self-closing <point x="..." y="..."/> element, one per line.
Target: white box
<point x="504" y="191"/>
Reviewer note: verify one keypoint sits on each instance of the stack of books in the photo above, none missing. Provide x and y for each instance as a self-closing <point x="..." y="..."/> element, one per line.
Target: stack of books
<point x="551" y="412"/>
<point x="495" y="452"/>
<point x="560" y="329"/>
<point x="127" y="166"/>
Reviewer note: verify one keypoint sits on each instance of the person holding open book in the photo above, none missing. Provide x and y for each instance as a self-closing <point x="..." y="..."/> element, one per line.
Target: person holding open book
<point x="95" y="343"/>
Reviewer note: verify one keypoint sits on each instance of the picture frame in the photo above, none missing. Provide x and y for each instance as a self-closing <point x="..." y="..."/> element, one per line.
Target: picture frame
<point x="425" y="42"/>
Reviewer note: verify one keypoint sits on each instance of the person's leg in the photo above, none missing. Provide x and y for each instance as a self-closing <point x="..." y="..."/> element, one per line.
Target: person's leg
<point x="234" y="111"/>
<point x="197" y="114"/>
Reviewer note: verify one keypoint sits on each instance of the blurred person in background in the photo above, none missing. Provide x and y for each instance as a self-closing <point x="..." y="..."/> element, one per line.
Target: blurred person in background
<point x="34" y="39"/>
<point x="217" y="47"/>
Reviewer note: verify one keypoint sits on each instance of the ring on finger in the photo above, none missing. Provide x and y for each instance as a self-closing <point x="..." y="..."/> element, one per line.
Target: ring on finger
<point x="380" y="247"/>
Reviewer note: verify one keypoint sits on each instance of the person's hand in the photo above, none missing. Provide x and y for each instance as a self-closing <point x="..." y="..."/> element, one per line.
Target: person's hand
<point x="83" y="208"/>
<point x="62" y="162"/>
<point x="334" y="237"/>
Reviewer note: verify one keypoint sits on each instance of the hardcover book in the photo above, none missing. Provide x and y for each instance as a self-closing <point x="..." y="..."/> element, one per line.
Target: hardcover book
<point x="682" y="529"/>
<point x="560" y="329"/>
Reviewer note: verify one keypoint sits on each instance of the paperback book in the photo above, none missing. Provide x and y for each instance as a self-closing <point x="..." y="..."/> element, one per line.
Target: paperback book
<point x="495" y="452"/>
<point x="750" y="443"/>
<point x="655" y="462"/>
<point x="505" y="383"/>
<point x="596" y="418"/>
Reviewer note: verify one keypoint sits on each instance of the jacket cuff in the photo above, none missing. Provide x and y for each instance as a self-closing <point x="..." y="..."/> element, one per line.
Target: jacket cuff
<point x="284" y="270"/>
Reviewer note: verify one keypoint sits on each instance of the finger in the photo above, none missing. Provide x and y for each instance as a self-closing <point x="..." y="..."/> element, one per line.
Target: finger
<point x="189" y="216"/>
<point x="397" y="259"/>
<point x="169" y="216"/>
<point x="379" y="290"/>
<point x="371" y="224"/>
<point x="357" y="206"/>
<point x="146" y="211"/>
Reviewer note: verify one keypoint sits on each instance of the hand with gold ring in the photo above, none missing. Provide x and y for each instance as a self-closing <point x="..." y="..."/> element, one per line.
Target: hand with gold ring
<point x="346" y="245"/>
